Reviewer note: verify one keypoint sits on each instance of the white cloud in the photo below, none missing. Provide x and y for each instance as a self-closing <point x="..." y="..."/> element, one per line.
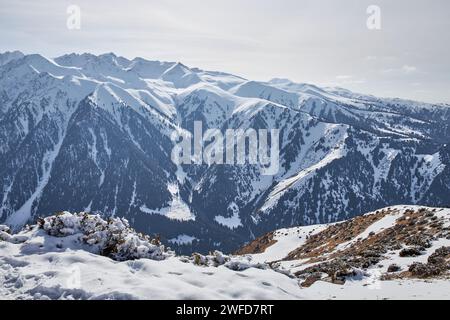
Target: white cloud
<point x="406" y="69"/>
<point x="409" y="69"/>
<point x="344" y="77"/>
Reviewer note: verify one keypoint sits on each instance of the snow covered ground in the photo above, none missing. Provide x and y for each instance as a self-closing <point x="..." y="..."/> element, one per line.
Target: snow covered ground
<point x="77" y="274"/>
<point x="85" y="257"/>
<point x="36" y="265"/>
<point x="380" y="290"/>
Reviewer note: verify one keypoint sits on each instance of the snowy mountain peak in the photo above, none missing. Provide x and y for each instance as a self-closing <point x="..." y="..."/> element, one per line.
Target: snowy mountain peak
<point x="8" y="56"/>
<point x="83" y="132"/>
<point x="181" y="76"/>
<point x="280" y="81"/>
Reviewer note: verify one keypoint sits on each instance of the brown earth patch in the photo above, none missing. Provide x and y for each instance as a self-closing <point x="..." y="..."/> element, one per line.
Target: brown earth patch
<point x="411" y="235"/>
<point x="414" y="229"/>
<point x="327" y="240"/>
<point x="258" y="245"/>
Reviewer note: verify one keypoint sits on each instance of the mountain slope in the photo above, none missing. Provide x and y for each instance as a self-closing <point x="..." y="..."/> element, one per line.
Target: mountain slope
<point x="401" y="243"/>
<point x="78" y="256"/>
<point x="86" y="132"/>
<point x="399" y="252"/>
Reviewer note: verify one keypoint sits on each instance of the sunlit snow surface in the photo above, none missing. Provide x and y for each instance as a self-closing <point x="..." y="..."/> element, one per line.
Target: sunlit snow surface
<point x="45" y="267"/>
<point x="34" y="265"/>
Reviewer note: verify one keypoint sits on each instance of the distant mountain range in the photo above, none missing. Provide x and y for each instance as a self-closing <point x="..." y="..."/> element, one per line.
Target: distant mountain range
<point x="93" y="133"/>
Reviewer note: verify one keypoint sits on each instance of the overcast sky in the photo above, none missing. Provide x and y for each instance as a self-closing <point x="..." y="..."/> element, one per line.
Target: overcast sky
<point x="324" y="42"/>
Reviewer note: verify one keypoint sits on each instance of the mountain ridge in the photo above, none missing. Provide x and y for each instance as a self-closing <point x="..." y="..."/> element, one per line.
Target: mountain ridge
<point x="93" y="132"/>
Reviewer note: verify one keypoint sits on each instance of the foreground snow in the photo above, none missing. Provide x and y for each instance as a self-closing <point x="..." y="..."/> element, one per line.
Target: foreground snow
<point x="65" y="257"/>
<point x="80" y="275"/>
<point x="60" y="259"/>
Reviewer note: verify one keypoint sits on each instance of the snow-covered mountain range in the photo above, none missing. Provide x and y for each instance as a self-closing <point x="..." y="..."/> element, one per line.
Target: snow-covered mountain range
<point x="93" y="133"/>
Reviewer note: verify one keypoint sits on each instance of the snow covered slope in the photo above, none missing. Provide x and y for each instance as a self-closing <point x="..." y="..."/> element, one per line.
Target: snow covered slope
<point x="83" y="132"/>
<point x="395" y="253"/>
<point x="85" y="257"/>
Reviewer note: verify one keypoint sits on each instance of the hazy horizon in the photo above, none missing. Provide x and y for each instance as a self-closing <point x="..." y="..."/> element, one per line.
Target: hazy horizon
<point x="319" y="42"/>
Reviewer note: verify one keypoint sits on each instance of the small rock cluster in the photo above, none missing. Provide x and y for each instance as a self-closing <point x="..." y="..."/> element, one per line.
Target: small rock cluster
<point x="438" y="263"/>
<point x="335" y="271"/>
<point x="5" y="233"/>
<point x="217" y="258"/>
